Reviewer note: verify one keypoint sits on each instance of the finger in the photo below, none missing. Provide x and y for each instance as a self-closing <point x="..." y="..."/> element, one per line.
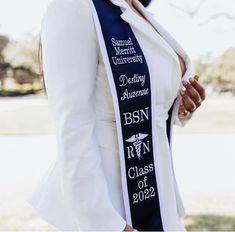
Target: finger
<point x="196" y="77"/>
<point x="198" y="87"/>
<point x="192" y="93"/>
<point x="188" y="103"/>
<point x="182" y="111"/>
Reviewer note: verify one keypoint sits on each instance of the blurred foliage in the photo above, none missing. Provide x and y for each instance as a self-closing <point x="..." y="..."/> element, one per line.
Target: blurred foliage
<point x="23" y="54"/>
<point x="19" y="67"/>
<point x="210" y="222"/>
<point x="4" y="40"/>
<point x="3" y="43"/>
<point x="218" y="71"/>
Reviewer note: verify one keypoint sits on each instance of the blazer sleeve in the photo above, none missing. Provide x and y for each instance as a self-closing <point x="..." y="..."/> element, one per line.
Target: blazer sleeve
<point x="70" y="59"/>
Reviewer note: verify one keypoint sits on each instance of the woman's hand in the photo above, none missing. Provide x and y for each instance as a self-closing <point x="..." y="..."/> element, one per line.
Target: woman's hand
<point x="192" y="96"/>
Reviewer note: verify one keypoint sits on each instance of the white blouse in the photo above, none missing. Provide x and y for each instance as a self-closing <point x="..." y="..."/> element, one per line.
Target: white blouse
<point x="82" y="189"/>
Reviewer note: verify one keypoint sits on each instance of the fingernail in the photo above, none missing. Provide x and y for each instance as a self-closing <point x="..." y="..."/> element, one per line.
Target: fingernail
<point x="182" y="92"/>
<point x="191" y="79"/>
<point x="185" y="82"/>
<point x="183" y="89"/>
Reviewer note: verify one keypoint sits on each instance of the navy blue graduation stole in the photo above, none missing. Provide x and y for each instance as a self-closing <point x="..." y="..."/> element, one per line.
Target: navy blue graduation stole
<point x="130" y="84"/>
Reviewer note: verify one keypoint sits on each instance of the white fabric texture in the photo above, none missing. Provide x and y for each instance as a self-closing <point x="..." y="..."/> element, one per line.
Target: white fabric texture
<point x="82" y="189"/>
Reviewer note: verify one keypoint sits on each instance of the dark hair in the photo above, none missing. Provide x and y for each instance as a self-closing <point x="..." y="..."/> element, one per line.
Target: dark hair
<point x="145" y="3"/>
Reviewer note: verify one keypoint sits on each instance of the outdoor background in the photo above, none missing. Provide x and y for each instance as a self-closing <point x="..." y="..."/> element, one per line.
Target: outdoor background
<point x="203" y="150"/>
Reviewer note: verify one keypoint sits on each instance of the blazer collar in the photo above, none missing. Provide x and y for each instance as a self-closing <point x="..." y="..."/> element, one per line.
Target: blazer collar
<point x="163" y="40"/>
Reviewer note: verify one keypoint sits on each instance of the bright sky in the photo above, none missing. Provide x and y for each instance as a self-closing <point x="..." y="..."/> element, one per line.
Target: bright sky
<point x="19" y="18"/>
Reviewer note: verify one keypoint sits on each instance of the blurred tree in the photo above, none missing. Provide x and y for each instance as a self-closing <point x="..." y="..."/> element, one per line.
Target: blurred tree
<point x="23" y="54"/>
<point x="4" y="40"/>
<point x="19" y="70"/>
<point x="220" y="70"/>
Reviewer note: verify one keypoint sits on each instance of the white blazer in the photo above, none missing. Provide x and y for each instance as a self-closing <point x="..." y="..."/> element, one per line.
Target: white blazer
<point x="82" y="189"/>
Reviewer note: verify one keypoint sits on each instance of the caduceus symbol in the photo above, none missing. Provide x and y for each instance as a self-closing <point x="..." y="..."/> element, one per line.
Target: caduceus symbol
<point x="137" y="141"/>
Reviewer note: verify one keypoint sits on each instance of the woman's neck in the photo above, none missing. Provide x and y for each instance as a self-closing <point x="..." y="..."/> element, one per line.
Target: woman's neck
<point x="132" y="6"/>
<point x="129" y="2"/>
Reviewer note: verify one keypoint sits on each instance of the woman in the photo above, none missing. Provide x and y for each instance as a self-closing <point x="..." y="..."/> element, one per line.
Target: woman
<point x="86" y="188"/>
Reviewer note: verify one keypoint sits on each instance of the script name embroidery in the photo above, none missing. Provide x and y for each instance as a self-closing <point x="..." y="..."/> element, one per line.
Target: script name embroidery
<point x="138" y="93"/>
<point x="125" y="80"/>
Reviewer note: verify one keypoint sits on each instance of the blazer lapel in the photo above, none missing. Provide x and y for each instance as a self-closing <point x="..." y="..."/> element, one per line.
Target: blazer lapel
<point x="144" y="27"/>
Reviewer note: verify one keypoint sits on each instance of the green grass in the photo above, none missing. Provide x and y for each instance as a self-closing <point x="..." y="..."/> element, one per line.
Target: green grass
<point x="210" y="222"/>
